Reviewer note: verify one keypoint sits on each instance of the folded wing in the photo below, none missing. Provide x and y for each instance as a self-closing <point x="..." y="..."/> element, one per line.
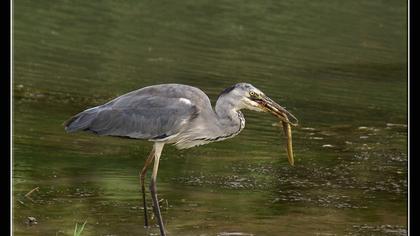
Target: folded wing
<point x="136" y="116"/>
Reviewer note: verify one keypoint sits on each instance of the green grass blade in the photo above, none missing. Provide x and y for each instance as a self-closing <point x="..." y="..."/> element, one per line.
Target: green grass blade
<point x="78" y="231"/>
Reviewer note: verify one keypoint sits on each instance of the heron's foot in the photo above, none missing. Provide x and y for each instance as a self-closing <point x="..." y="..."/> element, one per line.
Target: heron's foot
<point x="163" y="204"/>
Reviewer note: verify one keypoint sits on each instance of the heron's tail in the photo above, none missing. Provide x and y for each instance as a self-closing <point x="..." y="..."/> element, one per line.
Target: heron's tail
<point x="80" y="121"/>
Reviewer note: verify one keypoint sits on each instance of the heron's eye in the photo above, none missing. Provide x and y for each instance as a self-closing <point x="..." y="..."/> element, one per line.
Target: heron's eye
<point x="252" y="94"/>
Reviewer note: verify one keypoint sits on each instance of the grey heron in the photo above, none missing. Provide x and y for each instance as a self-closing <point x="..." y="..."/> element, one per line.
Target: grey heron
<point x="175" y="114"/>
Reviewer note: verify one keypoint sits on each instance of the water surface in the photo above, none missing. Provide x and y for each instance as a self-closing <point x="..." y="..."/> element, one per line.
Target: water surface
<point x="339" y="67"/>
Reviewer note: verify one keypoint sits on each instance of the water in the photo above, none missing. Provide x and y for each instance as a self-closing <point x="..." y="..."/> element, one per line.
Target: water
<point x="339" y="67"/>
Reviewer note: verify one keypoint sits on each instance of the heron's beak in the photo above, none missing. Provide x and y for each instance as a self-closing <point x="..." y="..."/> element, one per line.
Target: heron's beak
<point x="277" y="110"/>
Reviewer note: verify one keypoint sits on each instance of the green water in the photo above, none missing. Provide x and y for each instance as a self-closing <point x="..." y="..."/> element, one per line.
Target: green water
<point x="340" y="67"/>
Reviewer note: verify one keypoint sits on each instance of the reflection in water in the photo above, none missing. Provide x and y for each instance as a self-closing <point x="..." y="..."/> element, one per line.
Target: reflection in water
<point x="341" y="68"/>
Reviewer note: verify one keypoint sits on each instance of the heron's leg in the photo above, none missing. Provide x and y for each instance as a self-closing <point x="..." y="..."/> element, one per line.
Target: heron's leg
<point x="142" y="177"/>
<point x="158" y="150"/>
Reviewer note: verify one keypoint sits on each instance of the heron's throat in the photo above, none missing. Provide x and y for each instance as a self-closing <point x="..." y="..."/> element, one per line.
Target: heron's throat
<point x="231" y="121"/>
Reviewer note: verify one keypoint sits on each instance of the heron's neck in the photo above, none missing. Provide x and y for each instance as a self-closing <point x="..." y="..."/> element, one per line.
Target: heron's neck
<point x="230" y="118"/>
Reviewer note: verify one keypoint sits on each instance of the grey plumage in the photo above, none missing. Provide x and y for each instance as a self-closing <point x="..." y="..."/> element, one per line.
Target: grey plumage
<point x="175" y="114"/>
<point x="168" y="112"/>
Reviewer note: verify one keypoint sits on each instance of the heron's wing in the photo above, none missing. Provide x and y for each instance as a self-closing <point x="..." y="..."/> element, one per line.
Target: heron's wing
<point x="145" y="117"/>
<point x="149" y="94"/>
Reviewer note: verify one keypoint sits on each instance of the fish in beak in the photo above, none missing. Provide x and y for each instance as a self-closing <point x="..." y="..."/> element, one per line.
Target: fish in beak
<point x="277" y="110"/>
<point x="268" y="105"/>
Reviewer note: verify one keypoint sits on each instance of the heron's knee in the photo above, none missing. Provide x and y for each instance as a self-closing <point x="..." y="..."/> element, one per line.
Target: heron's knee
<point x="142" y="178"/>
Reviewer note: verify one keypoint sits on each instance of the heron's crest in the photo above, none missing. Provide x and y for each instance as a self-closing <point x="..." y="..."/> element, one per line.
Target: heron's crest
<point x="227" y="90"/>
<point x="244" y="86"/>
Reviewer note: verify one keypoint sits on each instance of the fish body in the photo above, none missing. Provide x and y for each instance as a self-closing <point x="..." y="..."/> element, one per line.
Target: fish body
<point x="287" y="128"/>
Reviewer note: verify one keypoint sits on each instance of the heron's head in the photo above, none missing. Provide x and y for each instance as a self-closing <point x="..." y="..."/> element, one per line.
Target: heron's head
<point x="246" y="96"/>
